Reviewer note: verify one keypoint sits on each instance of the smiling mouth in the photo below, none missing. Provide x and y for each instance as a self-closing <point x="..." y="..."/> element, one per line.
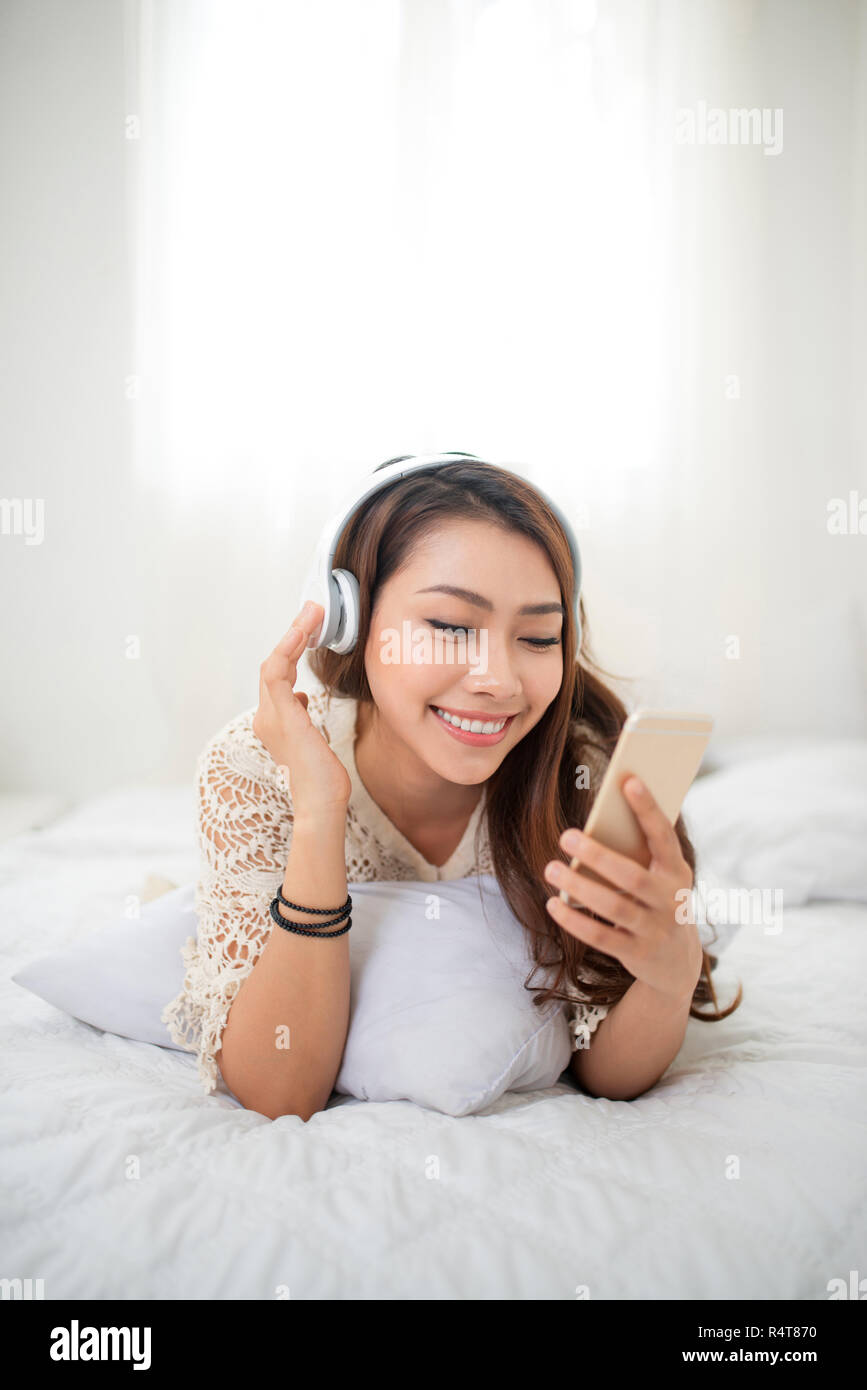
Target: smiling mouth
<point x="475" y="731"/>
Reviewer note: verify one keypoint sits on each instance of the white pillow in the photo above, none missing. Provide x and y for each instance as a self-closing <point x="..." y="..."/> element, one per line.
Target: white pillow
<point x="438" y="1012"/>
<point x="121" y="976"/>
<point x="793" y="821"/>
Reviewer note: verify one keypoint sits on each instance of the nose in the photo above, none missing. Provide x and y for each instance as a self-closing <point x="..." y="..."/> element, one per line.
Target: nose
<point x="494" y="669"/>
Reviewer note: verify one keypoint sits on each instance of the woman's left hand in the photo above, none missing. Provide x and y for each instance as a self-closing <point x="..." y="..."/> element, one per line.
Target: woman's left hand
<point x="646" y="935"/>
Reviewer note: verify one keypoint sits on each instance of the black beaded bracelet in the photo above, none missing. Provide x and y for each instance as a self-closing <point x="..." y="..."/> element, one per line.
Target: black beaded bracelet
<point x="306" y="931"/>
<point x="341" y="911"/>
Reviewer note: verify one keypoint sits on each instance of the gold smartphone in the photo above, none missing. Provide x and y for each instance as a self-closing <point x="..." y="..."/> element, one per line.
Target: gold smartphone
<point x="664" y="749"/>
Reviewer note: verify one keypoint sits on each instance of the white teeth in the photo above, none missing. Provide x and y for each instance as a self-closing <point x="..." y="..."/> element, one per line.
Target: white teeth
<point x="472" y="726"/>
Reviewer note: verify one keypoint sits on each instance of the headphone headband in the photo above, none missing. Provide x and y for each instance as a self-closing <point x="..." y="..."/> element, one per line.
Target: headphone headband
<point x="337" y="590"/>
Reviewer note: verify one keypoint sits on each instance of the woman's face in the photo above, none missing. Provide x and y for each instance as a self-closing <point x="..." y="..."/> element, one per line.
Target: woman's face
<point x="504" y="665"/>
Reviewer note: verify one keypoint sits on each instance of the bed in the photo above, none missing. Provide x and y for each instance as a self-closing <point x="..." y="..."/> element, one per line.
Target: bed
<point x="739" y="1175"/>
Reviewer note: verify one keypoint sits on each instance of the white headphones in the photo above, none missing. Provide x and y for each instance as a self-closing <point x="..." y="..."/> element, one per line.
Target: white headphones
<point x="337" y="589"/>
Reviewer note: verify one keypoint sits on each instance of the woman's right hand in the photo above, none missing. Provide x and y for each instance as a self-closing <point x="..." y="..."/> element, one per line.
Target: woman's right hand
<point x="318" y="781"/>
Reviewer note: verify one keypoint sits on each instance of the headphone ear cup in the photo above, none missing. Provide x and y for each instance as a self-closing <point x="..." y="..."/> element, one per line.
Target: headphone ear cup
<point x="348" y="607"/>
<point x="312" y="589"/>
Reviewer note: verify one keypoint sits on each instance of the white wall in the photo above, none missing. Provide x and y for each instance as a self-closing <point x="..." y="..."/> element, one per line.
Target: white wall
<point x="207" y="604"/>
<point x="65" y="325"/>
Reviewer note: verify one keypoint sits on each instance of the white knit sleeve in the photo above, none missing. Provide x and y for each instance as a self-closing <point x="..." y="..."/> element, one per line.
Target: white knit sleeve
<point x="244" y="837"/>
<point x="584" y="1018"/>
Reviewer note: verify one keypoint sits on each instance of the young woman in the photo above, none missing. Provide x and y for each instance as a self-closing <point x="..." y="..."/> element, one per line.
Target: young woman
<point x="383" y="784"/>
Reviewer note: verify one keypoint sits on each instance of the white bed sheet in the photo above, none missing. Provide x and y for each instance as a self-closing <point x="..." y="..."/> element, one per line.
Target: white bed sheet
<point x="543" y="1195"/>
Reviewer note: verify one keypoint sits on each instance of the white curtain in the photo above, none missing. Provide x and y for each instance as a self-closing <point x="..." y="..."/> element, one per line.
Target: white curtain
<point x="365" y="228"/>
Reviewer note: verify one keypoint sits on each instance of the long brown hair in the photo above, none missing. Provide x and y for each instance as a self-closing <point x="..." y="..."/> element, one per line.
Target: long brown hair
<point x="533" y="796"/>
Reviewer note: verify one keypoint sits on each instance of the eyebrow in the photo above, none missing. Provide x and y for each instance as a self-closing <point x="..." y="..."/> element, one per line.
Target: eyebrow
<point x="479" y="602"/>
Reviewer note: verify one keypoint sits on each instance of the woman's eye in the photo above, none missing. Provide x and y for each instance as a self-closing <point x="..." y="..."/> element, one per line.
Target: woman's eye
<point x="539" y="642"/>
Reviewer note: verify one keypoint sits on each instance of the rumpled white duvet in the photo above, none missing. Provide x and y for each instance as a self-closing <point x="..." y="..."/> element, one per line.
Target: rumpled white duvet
<point x="740" y="1175"/>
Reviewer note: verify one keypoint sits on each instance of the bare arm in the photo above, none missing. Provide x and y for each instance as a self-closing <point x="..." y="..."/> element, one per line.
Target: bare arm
<point x="286" y="1030"/>
<point x="633" y="1045"/>
<point x="640" y="922"/>
<point x="297" y="992"/>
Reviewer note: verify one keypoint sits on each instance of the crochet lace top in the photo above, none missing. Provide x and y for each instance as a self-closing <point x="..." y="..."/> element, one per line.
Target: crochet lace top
<point x="244" y="836"/>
